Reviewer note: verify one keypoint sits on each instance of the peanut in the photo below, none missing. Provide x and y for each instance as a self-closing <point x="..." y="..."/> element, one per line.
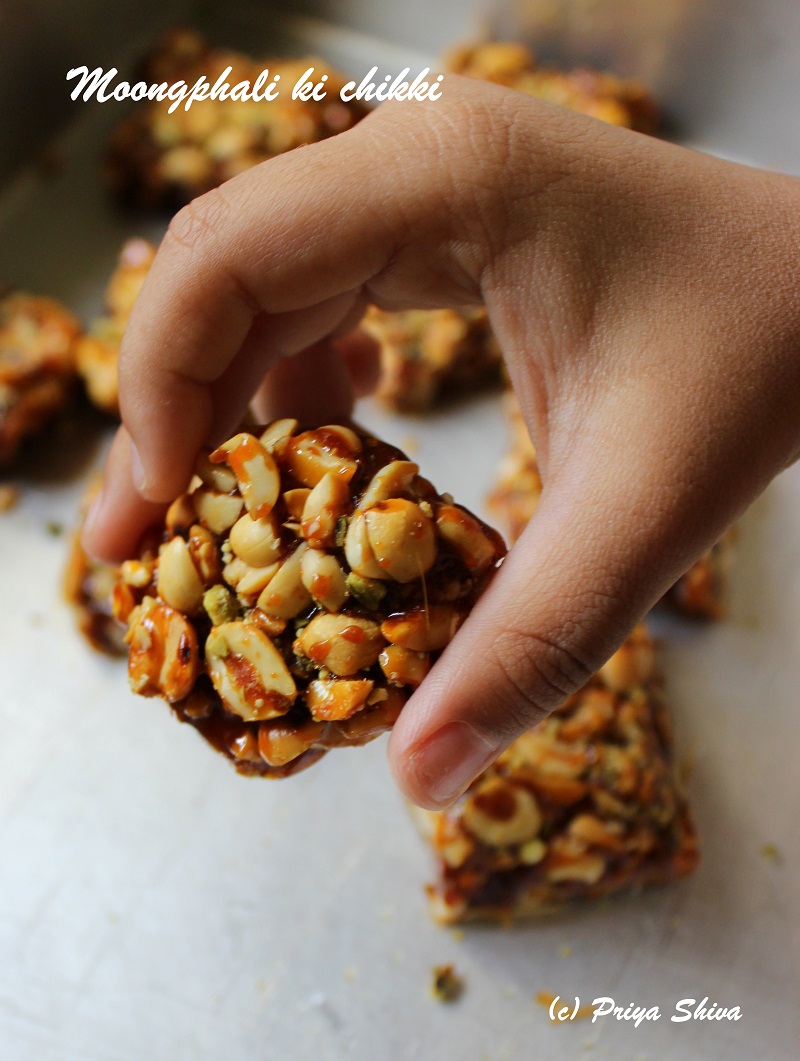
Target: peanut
<point x="255" y="470"/>
<point x="342" y="643"/>
<point x="328" y="500"/>
<point x="216" y="510"/>
<point x="367" y="724"/>
<point x="295" y="501"/>
<point x="402" y="539"/>
<point x="205" y="554"/>
<point x="632" y="664"/>
<point x="329" y="449"/>
<point x="276" y="436"/>
<point x="285" y="596"/>
<point x="463" y="532"/>
<point x="324" y="579"/>
<point x="217" y="476"/>
<point x="392" y="480"/>
<point x="402" y="666"/>
<point x="178" y="584"/>
<point x="358" y="550"/>
<point x="248" y="581"/>
<point x="248" y="672"/>
<point x="180" y="515"/>
<point x="424" y="629"/>
<point x="280" y="742"/>
<point x="500" y="813"/>
<point x="256" y="541"/>
<point x="164" y="658"/>
<point x="334" y="700"/>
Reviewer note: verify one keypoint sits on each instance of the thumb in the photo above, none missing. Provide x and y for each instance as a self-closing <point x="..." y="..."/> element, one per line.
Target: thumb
<point x="598" y="553"/>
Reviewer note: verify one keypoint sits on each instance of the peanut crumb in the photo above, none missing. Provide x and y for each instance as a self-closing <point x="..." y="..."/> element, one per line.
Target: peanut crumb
<point x="546" y="999"/>
<point x="446" y="984"/>
<point x="457" y="934"/>
<point x="772" y="852"/>
<point x="349" y="974"/>
<point x="9" y="496"/>
<point x="54" y="528"/>
<point x="564" y="950"/>
<point x="410" y="444"/>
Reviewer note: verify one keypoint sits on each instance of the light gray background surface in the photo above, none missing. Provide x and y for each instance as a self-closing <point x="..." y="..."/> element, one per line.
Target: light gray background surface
<point x="154" y="905"/>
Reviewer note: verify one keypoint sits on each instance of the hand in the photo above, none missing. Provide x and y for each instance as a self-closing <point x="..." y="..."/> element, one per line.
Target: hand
<point x="647" y="301"/>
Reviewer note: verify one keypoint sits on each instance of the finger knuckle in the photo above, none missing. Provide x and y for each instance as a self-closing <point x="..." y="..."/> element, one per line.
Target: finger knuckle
<point x="199" y="221"/>
<point x="537" y="674"/>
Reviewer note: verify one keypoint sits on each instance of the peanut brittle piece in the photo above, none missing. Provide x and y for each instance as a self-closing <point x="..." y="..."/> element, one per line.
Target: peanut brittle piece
<point x="430" y="355"/>
<point x="163" y="160"/>
<point x="88" y="588"/>
<point x="37" y="366"/>
<point x="98" y="350"/>
<point x="585" y="805"/>
<point x="299" y="592"/>
<point x="701" y="593"/>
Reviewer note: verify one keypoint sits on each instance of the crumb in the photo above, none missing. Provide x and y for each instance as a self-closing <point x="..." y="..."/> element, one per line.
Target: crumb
<point x="446" y="984"/>
<point x="564" y="950"/>
<point x="113" y="917"/>
<point x="772" y="852"/>
<point x="9" y="496"/>
<point x="54" y="528"/>
<point x="510" y="991"/>
<point x="36" y="619"/>
<point x="546" y="999"/>
<point x="410" y="444"/>
<point x="387" y="913"/>
<point x="349" y="974"/>
<point x="457" y="934"/>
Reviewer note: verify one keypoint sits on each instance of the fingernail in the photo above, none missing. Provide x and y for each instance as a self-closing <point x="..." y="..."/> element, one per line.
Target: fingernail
<point x="137" y="470"/>
<point x="446" y="762"/>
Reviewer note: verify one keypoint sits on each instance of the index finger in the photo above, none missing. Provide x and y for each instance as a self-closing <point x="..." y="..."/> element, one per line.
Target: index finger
<point x="242" y="278"/>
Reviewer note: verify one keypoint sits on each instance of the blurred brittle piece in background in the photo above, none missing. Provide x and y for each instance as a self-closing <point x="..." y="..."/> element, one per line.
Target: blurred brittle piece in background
<point x="162" y="160"/>
<point x="587" y="804"/>
<point x="37" y="366"/>
<point x="98" y="350"/>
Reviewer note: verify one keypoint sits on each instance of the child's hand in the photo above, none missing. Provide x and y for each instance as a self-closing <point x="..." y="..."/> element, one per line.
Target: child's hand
<point x="647" y="299"/>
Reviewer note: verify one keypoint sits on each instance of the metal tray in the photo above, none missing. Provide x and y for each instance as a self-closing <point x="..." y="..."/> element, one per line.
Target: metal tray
<point x="154" y="905"/>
